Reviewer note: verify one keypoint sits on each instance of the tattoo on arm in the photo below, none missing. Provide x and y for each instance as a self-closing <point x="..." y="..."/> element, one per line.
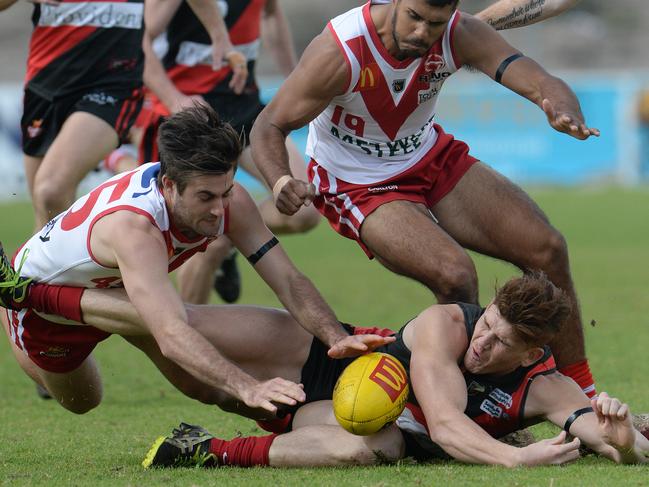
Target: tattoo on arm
<point x="529" y="13"/>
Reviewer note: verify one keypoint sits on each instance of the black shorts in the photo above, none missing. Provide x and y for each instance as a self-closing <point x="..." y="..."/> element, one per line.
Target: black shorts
<point x="42" y="118"/>
<point x="320" y="372"/>
<point x="240" y="111"/>
<point x="319" y="376"/>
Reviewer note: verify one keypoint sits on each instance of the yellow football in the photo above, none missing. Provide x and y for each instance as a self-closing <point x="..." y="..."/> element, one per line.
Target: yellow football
<point x="370" y="393"/>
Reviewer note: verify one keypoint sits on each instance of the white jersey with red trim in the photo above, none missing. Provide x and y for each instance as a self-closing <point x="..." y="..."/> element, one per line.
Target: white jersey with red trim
<point x="383" y="123"/>
<point x="61" y="254"/>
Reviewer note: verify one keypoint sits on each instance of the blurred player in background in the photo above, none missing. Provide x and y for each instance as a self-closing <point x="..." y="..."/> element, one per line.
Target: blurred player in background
<point x="82" y="93"/>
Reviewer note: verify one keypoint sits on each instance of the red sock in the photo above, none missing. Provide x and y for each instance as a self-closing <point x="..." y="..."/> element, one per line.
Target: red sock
<point x="56" y="300"/>
<point x="580" y="373"/>
<point x="278" y="425"/>
<point x="249" y="451"/>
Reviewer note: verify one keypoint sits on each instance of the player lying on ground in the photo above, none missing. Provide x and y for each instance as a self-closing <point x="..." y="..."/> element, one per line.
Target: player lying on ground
<point x="129" y="232"/>
<point x="475" y="374"/>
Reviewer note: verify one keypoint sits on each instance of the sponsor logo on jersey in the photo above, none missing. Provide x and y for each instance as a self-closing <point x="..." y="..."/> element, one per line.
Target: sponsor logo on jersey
<point x="35" y="129"/>
<point x="434" y="62"/>
<point x="125" y="15"/>
<point x="398" y="85"/>
<point x="390" y="377"/>
<point x="475" y="388"/>
<point x="427" y="95"/>
<point x="100" y="98"/>
<point x="382" y="189"/>
<point x="397" y="148"/>
<point x="491" y="409"/>
<point x="501" y="397"/>
<point x="369" y="77"/>
<point x="55" y="352"/>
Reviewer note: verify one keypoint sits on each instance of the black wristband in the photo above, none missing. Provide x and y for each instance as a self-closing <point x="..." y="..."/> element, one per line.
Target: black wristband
<point x="574" y="416"/>
<point x="254" y="258"/>
<point x="503" y="66"/>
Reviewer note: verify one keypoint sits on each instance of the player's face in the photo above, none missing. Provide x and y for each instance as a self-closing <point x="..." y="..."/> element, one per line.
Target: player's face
<point x="199" y="210"/>
<point x="416" y="26"/>
<point x="495" y="348"/>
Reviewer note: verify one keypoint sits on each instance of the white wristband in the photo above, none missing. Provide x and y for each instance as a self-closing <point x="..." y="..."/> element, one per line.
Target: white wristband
<point x="279" y="184"/>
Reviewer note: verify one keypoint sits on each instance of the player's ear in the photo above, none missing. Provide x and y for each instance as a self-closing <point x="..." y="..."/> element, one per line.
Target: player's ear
<point x="168" y="184"/>
<point x="533" y="354"/>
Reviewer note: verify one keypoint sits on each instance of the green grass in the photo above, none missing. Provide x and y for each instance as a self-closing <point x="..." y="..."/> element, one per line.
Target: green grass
<point x="608" y="234"/>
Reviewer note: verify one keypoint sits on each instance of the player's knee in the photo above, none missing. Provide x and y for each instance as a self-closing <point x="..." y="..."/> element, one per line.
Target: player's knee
<point x="82" y="404"/>
<point x="552" y="254"/>
<point x="307" y="220"/>
<point x="457" y="281"/>
<point x="384" y="447"/>
<point x="51" y="198"/>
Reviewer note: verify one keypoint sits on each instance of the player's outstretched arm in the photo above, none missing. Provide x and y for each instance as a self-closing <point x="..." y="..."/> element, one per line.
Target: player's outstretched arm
<point x="142" y="260"/>
<point x="509" y="14"/>
<point x="607" y="429"/>
<point x="321" y="74"/>
<point x="480" y="46"/>
<point x="437" y="344"/>
<point x="296" y="292"/>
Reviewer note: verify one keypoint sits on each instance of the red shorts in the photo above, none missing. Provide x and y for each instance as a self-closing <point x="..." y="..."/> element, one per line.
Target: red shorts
<point x="52" y="346"/>
<point x="346" y="205"/>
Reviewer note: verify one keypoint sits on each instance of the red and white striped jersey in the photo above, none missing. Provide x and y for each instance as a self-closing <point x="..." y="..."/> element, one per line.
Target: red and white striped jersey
<point x="383" y="123"/>
<point x="61" y="254"/>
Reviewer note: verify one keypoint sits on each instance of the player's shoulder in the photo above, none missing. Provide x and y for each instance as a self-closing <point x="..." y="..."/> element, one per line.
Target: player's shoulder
<point x="441" y="321"/>
<point x="545" y="388"/>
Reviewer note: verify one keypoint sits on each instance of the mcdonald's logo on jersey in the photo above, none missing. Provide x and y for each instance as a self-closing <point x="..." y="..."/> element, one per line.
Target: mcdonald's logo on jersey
<point x="390" y="376"/>
<point x="369" y="77"/>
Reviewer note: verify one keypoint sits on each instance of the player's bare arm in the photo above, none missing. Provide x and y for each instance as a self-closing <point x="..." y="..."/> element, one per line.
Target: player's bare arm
<point x="480" y="46"/>
<point x="157" y="15"/>
<point x="607" y="430"/>
<point x="210" y="16"/>
<point x="509" y="14"/>
<point x="276" y="37"/>
<point x="296" y="292"/>
<point x="438" y="343"/>
<point x="321" y="74"/>
<point x="142" y="260"/>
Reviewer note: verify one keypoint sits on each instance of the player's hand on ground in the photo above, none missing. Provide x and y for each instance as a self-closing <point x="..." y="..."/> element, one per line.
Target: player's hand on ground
<point x="239" y="65"/>
<point x="615" y="422"/>
<point x="568" y="123"/>
<point x="553" y="451"/>
<point x="356" y="345"/>
<point x="185" y="101"/>
<point x="290" y="194"/>
<point x="280" y="391"/>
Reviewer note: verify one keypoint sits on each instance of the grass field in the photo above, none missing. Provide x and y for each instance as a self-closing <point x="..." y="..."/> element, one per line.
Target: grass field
<point x="608" y="234"/>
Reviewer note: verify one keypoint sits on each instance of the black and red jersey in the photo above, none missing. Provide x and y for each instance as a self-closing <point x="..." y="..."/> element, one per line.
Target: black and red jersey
<point x="188" y="60"/>
<point x="78" y="45"/>
<point x="495" y="402"/>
